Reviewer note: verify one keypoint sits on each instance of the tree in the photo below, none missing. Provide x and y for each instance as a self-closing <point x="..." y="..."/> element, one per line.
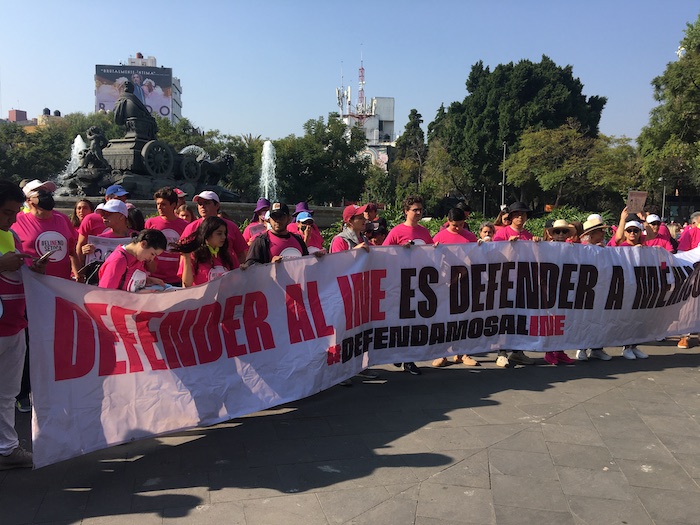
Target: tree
<point x="500" y="106"/>
<point x="670" y="143"/>
<point x="410" y="153"/>
<point x="325" y="165"/>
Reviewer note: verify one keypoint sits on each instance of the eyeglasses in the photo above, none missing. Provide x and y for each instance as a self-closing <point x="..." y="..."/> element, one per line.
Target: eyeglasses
<point x="560" y="232"/>
<point x="633" y="230"/>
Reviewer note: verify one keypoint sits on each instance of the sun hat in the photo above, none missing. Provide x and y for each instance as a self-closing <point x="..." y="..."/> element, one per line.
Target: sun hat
<point x="36" y="185"/>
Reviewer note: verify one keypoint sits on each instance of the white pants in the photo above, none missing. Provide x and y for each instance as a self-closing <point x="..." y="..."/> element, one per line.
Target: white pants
<point x="12" y="350"/>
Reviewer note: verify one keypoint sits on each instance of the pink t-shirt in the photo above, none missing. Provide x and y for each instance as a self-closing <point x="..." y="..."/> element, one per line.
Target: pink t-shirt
<point x="206" y="270"/>
<point x="109" y="234"/>
<point x="284" y="246"/>
<point x="658" y="241"/>
<point x="92" y="224"/>
<point x="43" y="235"/>
<point x="12" y="304"/>
<point x="167" y="262"/>
<point x="315" y="242"/>
<point x="122" y="268"/>
<point x="236" y="242"/>
<point x="505" y="233"/>
<point x="253" y="230"/>
<point x="401" y="234"/>
<point x="690" y="238"/>
<point x="447" y="237"/>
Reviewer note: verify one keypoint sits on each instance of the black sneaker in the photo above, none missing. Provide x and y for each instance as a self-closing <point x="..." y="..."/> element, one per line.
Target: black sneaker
<point x="346" y="382"/>
<point x="368" y="374"/>
<point x="412" y="369"/>
<point x="398" y="365"/>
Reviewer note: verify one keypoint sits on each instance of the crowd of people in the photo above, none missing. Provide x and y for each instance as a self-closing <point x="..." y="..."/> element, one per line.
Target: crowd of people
<point x="175" y="249"/>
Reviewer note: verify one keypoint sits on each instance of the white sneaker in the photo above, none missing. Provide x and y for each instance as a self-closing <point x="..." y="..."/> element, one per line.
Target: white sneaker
<point x="581" y="355"/>
<point x="638" y="353"/>
<point x="600" y="354"/>
<point x="502" y="361"/>
<point x="628" y="353"/>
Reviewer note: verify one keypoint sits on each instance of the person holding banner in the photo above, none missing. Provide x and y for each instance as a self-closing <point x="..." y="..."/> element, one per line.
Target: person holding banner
<point x="114" y="216"/>
<point x="652" y="227"/>
<point x="407" y="234"/>
<point x="518" y="213"/>
<point x="125" y="268"/>
<point x="257" y="223"/>
<point x="454" y="233"/>
<point x="278" y="242"/>
<point x="689" y="240"/>
<point x="205" y="254"/>
<point x="13" y="345"/>
<point x="167" y="264"/>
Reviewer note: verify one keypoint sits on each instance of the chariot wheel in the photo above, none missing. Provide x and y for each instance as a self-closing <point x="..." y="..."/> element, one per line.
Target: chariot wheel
<point x="158" y="158"/>
<point x="190" y="169"/>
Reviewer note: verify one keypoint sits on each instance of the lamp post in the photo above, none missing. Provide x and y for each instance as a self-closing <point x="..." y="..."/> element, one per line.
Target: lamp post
<point x="503" y="180"/>
<point x="663" y="199"/>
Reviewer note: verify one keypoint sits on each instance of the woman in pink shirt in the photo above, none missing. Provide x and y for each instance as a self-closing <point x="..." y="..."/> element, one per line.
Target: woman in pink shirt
<point x="125" y="268"/>
<point x="205" y="254"/>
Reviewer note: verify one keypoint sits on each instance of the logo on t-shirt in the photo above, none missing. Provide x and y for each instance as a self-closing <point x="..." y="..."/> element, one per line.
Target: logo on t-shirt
<point x="170" y="235"/>
<point x="137" y="281"/>
<point x="418" y="241"/>
<point x="216" y="271"/>
<point x="52" y="241"/>
<point x="290" y="252"/>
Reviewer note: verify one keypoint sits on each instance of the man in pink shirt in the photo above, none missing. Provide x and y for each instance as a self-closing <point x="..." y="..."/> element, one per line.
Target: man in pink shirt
<point x="166" y="265"/>
<point x="690" y="239"/>
<point x="277" y="243"/>
<point x="208" y="205"/>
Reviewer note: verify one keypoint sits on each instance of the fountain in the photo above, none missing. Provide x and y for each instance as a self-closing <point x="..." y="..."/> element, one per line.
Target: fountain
<point x="268" y="181"/>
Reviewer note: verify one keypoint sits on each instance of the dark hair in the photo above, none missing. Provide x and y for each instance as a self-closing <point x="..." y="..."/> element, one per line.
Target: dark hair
<point x="135" y="219"/>
<point x="74" y="220"/>
<point x="9" y="191"/>
<point x="411" y="200"/>
<point x="196" y="244"/>
<point x="464" y="206"/>
<point x="578" y="226"/>
<point x="154" y="239"/>
<point x="166" y="193"/>
<point x="456" y="214"/>
<point x="499" y="219"/>
<point x="190" y="209"/>
<point x="652" y="208"/>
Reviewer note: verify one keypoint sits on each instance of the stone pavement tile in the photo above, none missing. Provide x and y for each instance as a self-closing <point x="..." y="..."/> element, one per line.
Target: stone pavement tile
<point x="657" y="474"/>
<point x="673" y="506"/>
<point x="404" y="490"/>
<point x="522" y="464"/>
<point x="19" y="501"/>
<point x="470" y="472"/>
<point x="59" y="505"/>
<point x="423" y="520"/>
<point x="610" y="399"/>
<point x="151" y="518"/>
<point x="244" y="483"/>
<point x="522" y="492"/>
<point x="519" y="516"/>
<point x="185" y="490"/>
<point x="684" y="426"/>
<point x="424" y="466"/>
<point x="576" y="435"/>
<point x="342" y="505"/>
<point x="594" y="483"/>
<point x="302" y="428"/>
<point x="660" y="409"/>
<point x="598" y="411"/>
<point x="680" y="444"/>
<point x="491" y="434"/>
<point x="294" y="509"/>
<point x="338" y="447"/>
<point x="456" y="417"/>
<point x="392" y="443"/>
<point x="646" y="396"/>
<point x="690" y="463"/>
<point x="531" y="440"/>
<point x="342" y="474"/>
<point x="582" y="456"/>
<point x="622" y="427"/>
<point x="544" y="410"/>
<point x="211" y="514"/>
<point x="457" y="504"/>
<point x="574" y="416"/>
<point x="342" y="424"/>
<point x="503" y="414"/>
<point x="604" y="511"/>
<point x="262" y="453"/>
<point x="396" y="511"/>
<point x="633" y="448"/>
<point x="114" y="498"/>
<point x="448" y="439"/>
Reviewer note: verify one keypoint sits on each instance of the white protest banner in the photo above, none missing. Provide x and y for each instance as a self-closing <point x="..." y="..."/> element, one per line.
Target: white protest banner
<point x="110" y="366"/>
<point x="104" y="246"/>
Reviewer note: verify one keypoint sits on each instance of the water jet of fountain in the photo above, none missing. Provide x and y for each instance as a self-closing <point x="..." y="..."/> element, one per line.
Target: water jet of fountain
<point x="268" y="181"/>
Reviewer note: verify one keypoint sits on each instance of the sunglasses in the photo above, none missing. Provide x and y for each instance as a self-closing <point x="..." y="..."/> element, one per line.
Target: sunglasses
<point x="560" y="232"/>
<point x="633" y="230"/>
<point x="655" y="223"/>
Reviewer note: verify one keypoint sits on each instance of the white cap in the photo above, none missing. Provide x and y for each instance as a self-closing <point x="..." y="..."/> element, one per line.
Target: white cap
<point x="653" y="218"/>
<point x="595" y="217"/>
<point x="634" y="224"/>
<point x="36" y="185"/>
<point x="207" y="195"/>
<point x="114" y="206"/>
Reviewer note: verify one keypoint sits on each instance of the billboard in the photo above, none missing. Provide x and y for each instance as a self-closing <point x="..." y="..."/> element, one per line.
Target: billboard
<point x="153" y="85"/>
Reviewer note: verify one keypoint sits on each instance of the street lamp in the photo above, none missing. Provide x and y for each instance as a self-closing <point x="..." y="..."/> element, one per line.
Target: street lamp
<point x="663" y="199"/>
<point x="503" y="180"/>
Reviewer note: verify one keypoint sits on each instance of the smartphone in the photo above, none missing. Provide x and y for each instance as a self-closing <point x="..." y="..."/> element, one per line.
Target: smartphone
<point x="45" y="257"/>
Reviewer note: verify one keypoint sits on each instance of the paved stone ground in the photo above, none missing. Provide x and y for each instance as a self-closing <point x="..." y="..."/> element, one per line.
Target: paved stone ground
<point x="596" y="442"/>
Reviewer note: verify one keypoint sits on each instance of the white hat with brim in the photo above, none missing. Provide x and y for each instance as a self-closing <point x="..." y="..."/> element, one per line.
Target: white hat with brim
<point x="560" y="224"/>
<point x="206" y="195"/>
<point x="114" y="206"/>
<point x="634" y="224"/>
<point x="36" y="185"/>
<point x="594" y="222"/>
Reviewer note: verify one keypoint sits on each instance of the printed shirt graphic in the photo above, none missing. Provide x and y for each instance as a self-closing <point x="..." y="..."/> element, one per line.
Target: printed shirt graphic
<point x="208" y="270"/>
<point x="286" y="247"/>
<point x="167" y="262"/>
<point x="43" y="235"/>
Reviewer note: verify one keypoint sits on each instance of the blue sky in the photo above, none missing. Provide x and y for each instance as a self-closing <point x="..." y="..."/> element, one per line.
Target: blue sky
<point x="267" y="67"/>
